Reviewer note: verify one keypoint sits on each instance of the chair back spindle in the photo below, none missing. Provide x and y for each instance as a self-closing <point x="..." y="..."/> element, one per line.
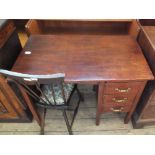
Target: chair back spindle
<point x="50" y="91"/>
<point x="38" y="81"/>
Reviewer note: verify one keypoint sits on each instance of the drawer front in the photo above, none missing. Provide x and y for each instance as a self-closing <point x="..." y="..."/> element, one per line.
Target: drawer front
<point x="119" y="96"/>
<point x="116" y="109"/>
<point x="6" y="32"/>
<point x="118" y="100"/>
<point x="122" y="88"/>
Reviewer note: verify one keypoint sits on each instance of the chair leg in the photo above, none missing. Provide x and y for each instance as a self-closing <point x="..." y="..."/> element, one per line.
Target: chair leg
<point x="80" y="95"/>
<point x="75" y="113"/>
<point x="43" y="122"/>
<point x="77" y="107"/>
<point x="67" y="123"/>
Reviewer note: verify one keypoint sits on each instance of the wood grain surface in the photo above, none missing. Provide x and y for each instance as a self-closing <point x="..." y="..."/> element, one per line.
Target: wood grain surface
<point x="84" y="58"/>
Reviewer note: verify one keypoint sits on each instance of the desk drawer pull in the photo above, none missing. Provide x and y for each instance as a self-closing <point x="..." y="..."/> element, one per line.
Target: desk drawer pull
<point x="119" y="100"/>
<point x="117" y="109"/>
<point x="123" y="90"/>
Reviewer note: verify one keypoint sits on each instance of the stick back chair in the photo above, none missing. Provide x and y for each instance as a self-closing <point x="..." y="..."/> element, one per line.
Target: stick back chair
<point x="50" y="92"/>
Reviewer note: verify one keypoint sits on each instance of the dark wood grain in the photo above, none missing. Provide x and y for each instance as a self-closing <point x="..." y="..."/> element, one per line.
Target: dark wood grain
<point x="74" y="26"/>
<point x="84" y="58"/>
<point x="5" y="31"/>
<point x="14" y="111"/>
<point x="10" y="48"/>
<point x="145" y="111"/>
<point x="147" y="22"/>
<point x="135" y="101"/>
<point x="89" y="59"/>
<point x="10" y="45"/>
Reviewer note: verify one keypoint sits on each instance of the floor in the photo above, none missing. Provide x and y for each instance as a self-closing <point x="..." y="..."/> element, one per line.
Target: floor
<point x="84" y="124"/>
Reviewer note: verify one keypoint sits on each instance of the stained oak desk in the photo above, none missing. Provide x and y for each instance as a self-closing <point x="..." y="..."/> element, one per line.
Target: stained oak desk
<point x="115" y="63"/>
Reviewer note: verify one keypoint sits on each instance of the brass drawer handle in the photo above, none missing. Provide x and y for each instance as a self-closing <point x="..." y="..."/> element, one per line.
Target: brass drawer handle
<point x="123" y="90"/>
<point x="117" y="109"/>
<point x="119" y="100"/>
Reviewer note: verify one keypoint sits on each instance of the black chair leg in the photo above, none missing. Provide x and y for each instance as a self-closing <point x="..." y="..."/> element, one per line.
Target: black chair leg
<point x="75" y="113"/>
<point x="67" y="123"/>
<point x="80" y="95"/>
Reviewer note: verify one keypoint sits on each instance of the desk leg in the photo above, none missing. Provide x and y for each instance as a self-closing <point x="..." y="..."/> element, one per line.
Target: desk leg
<point x="99" y="102"/>
<point x="97" y="118"/>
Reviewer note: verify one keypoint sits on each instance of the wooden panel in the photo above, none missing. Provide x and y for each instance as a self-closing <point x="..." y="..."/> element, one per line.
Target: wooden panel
<point x="136" y="99"/>
<point x="2" y="108"/>
<point x="6" y="32"/>
<point x="73" y="26"/>
<point x="33" y="27"/>
<point x="130" y="88"/>
<point x="149" y="112"/>
<point x="148" y="49"/>
<point x="145" y="98"/>
<point x="150" y="34"/>
<point x="113" y="26"/>
<point x="20" y="24"/>
<point x="10" y="101"/>
<point x="6" y="111"/>
<point x="134" y="29"/>
<point x="152" y="98"/>
<point x="10" y="51"/>
<point x="147" y="22"/>
<point x="145" y="110"/>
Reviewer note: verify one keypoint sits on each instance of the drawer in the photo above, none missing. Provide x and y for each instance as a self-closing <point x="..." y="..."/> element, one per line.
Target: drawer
<point x="122" y="88"/>
<point x="6" y="32"/>
<point x="119" y="100"/>
<point x="116" y="109"/>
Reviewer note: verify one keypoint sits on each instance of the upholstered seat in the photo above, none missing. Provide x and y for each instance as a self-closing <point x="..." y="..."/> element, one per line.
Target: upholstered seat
<point x="57" y="89"/>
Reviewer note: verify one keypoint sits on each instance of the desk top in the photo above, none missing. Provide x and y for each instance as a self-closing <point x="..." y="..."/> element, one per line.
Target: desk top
<point x="84" y="58"/>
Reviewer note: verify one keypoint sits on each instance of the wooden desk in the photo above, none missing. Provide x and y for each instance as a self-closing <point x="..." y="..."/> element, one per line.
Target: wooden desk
<point x="145" y="111"/>
<point x="109" y="61"/>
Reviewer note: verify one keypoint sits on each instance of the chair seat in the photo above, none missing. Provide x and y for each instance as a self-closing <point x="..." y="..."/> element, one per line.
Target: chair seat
<point x="47" y="90"/>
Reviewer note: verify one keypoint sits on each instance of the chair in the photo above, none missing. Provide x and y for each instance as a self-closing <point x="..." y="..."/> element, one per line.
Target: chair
<point x="46" y="91"/>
